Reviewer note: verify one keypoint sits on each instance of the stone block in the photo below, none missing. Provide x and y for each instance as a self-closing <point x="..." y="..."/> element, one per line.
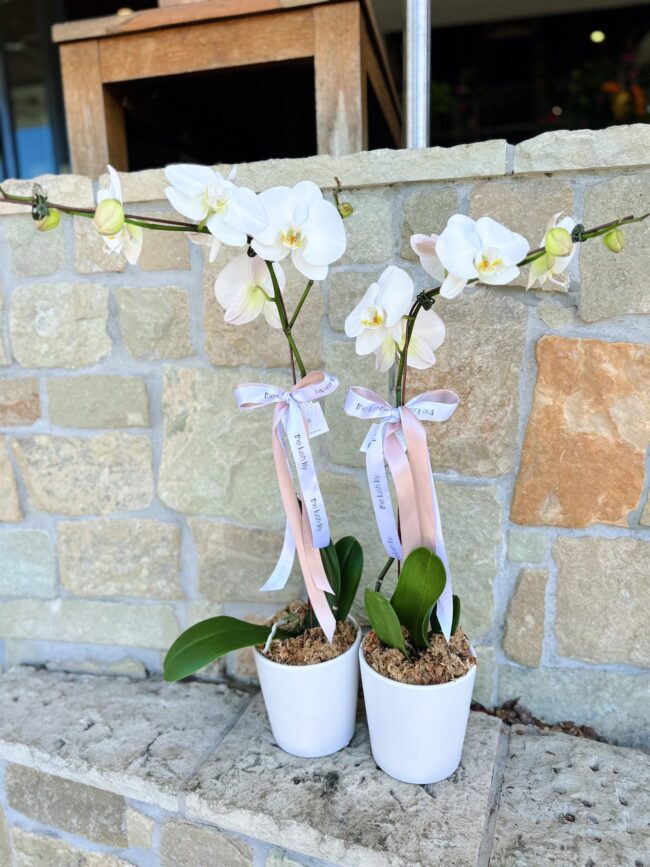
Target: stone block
<point x="10" y="508"/>
<point x="34" y="253"/>
<point x="567" y="800"/>
<point x="602" y="596"/>
<point x="234" y="562"/>
<point x="611" y="284"/>
<point x="645" y="516"/>
<point x="132" y="557"/>
<point x="27" y="565"/>
<point x="217" y="460"/>
<point x="279" y="802"/>
<point x="370" y="230"/>
<point x="19" y="401"/>
<point x="164" y="251"/>
<point x="155" y="322"/>
<point x="91" y="256"/>
<point x="185" y="845"/>
<point x="568" y="150"/>
<point x="5" y="841"/>
<point x="110" y="472"/>
<point x="481" y="360"/>
<point x="617" y="705"/>
<point x="524" y="633"/>
<point x="344" y="291"/>
<point x="256" y="343"/>
<point x="485" y="676"/>
<point x="139" y="829"/>
<point x="426" y="212"/>
<point x="73" y="807"/>
<point x="526" y="546"/>
<point x="583" y="459"/>
<point x="59" y="324"/>
<point x="62" y="188"/>
<point x="5" y="358"/>
<point x="97" y="401"/>
<point x="556" y="315"/>
<point x="35" y="850"/>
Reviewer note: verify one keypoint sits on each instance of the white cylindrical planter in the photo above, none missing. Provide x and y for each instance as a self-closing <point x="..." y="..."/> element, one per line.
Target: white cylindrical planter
<point x="312" y="708"/>
<point x="416" y="732"/>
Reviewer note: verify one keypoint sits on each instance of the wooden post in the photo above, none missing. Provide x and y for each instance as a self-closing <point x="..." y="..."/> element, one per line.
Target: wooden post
<point x="95" y="119"/>
<point x="341" y="112"/>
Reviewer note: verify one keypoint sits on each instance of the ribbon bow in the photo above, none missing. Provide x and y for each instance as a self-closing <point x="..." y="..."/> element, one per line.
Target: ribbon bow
<point x="400" y="440"/>
<point x="307" y="529"/>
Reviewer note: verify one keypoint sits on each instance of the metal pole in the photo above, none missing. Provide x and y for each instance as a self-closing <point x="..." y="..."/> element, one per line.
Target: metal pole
<point x="417" y="72"/>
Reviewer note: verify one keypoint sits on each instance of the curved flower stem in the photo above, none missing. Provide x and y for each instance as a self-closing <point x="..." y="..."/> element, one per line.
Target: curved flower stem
<point x="383" y="573"/>
<point x="286" y="325"/>
<point x="303" y="298"/>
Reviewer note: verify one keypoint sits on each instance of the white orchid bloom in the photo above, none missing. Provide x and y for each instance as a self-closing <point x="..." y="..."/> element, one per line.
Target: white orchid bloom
<point x="549" y="267"/>
<point x="424" y="246"/>
<point x="245" y="290"/>
<point x="478" y="250"/>
<point x="128" y="239"/>
<point x="232" y="214"/>
<point x="427" y="336"/>
<point x="202" y="239"/>
<point x="303" y="224"/>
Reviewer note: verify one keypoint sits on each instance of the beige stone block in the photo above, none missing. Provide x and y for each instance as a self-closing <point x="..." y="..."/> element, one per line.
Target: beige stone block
<point x="184" y="845"/>
<point x="97" y="401"/>
<point x="583" y="459"/>
<point x="370" y="230"/>
<point x="217" y="460"/>
<point x="79" y="621"/>
<point x="126" y="666"/>
<point x="524" y="205"/>
<point x="34" y="253"/>
<point x="256" y="343"/>
<point x="59" y="324"/>
<point x="645" y="517"/>
<point x="5" y="841"/>
<point x="234" y="562"/>
<point x="344" y="291"/>
<point x="139" y="829"/>
<point x="27" y="563"/>
<point x="132" y="557"/>
<point x="111" y="472"/>
<point x="19" y="401"/>
<point x="60" y="189"/>
<point x="346" y="433"/>
<point x="91" y="256"/>
<point x="164" y="251"/>
<point x="426" y="212"/>
<point x="485" y="676"/>
<point x="155" y="322"/>
<point x="278" y="858"/>
<point x="10" y="509"/>
<point x="481" y="360"/>
<point x="73" y="807"/>
<point x="34" y="850"/>
<point x="556" y="315"/>
<point x="615" y="284"/>
<point x="568" y="150"/>
<point x="526" y="546"/>
<point x="602" y="597"/>
<point x="5" y="357"/>
<point x="524" y="633"/>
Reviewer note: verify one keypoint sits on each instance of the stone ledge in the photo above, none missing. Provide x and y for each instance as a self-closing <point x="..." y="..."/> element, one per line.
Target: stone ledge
<point x="204" y="754"/>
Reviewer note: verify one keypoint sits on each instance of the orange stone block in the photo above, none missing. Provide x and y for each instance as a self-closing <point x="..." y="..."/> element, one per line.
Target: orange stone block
<point x="583" y="459"/>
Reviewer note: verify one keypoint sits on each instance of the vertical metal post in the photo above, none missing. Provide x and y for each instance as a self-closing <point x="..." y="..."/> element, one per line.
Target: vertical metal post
<point x="417" y="72"/>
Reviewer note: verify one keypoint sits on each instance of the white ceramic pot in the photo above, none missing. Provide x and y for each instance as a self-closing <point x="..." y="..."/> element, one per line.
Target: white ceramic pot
<point x="416" y="732"/>
<point x="312" y="708"/>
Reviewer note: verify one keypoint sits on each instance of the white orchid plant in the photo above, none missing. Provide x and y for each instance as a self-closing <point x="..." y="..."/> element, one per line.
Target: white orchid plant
<point x="298" y="227"/>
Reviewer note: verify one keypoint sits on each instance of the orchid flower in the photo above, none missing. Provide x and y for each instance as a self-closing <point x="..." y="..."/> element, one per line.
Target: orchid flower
<point x="201" y="239"/>
<point x="548" y="267"/>
<point x="379" y="325"/>
<point x="303" y="224"/>
<point x="424" y="246"/>
<point x="245" y="290"/>
<point x="478" y="250"/>
<point x="128" y="238"/>
<point x="232" y="214"/>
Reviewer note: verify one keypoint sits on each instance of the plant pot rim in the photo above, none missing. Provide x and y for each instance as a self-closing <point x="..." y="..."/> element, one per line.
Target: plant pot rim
<point x="417" y="686"/>
<point x="317" y="665"/>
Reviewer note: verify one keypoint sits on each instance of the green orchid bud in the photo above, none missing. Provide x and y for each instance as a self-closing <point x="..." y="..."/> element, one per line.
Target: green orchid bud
<point x="558" y="242"/>
<point x="345" y="209"/>
<point x="51" y="221"/>
<point x="614" y="240"/>
<point x="109" y="217"/>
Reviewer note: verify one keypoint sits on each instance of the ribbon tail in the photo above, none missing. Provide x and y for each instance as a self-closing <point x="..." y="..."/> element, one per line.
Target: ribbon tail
<point x="445" y="605"/>
<point x="380" y="496"/>
<point x="316" y="582"/>
<point x="405" y="489"/>
<point x="312" y="499"/>
<point x="280" y="575"/>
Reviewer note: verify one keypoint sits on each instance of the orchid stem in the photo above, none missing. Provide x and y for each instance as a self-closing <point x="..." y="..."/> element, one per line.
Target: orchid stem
<point x="303" y="298"/>
<point x="284" y="321"/>
<point x="383" y="573"/>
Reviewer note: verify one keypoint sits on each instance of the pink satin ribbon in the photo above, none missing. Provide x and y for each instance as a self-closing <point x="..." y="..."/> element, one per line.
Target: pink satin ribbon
<point x="298" y="417"/>
<point x="399" y="439"/>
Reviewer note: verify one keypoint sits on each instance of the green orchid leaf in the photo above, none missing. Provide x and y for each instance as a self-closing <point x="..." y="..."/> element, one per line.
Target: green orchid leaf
<point x="455" y="618"/>
<point x="384" y="620"/>
<point x="421" y="581"/>
<point x="330" y="561"/>
<point x="350" y="559"/>
<point x="209" y="640"/>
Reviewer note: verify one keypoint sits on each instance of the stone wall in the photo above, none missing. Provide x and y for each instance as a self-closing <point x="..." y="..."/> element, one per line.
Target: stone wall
<point x="136" y="499"/>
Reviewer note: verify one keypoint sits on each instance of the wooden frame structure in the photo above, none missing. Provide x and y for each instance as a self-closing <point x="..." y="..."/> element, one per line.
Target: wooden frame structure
<point x="340" y="36"/>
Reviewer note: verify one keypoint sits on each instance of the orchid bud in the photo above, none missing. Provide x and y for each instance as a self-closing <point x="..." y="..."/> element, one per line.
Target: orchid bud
<point x="51" y="221"/>
<point x="345" y="209"/>
<point x="558" y="242"/>
<point x="614" y="240"/>
<point x="109" y="217"/>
